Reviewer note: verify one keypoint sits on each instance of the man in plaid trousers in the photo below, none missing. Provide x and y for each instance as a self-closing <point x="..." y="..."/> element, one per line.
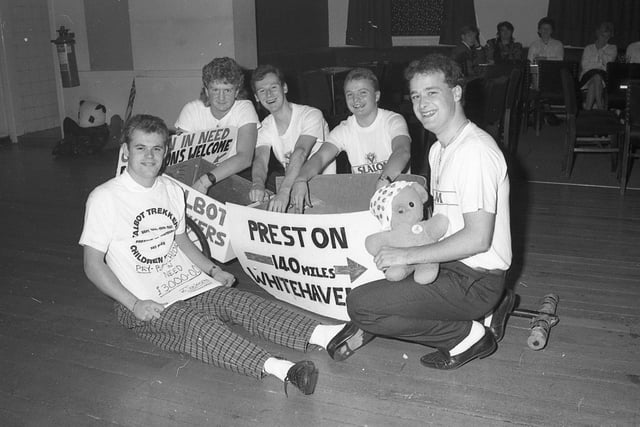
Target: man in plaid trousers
<point x="135" y="249"/>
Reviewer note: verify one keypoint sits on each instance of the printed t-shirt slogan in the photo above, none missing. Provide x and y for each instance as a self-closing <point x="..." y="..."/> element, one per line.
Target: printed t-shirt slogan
<point x="213" y="145"/>
<point x="163" y="273"/>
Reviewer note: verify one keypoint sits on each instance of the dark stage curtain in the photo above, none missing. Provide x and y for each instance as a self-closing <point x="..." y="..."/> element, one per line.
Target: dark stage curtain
<point x="576" y="20"/>
<point x="456" y="14"/>
<point x="369" y="23"/>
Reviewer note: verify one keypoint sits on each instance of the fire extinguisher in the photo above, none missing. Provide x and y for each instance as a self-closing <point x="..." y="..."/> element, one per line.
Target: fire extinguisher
<point x="67" y="57"/>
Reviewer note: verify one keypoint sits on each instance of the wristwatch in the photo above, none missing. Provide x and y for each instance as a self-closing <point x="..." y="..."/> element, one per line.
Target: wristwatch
<point x="212" y="178"/>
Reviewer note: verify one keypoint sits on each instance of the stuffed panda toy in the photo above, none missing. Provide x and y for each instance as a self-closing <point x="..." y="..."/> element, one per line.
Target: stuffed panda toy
<point x="88" y="135"/>
<point x="91" y="114"/>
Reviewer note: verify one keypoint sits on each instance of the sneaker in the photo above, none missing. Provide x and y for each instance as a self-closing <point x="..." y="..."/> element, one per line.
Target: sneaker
<point x="304" y="376"/>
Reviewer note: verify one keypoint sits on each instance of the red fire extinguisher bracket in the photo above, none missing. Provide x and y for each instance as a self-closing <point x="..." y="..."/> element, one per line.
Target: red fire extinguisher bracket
<point x="65" y="47"/>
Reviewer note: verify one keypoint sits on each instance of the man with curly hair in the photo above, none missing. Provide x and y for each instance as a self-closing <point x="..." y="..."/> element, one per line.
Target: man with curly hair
<point x="219" y="107"/>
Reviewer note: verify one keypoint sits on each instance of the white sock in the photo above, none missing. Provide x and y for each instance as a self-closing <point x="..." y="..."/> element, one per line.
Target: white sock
<point x="487" y="319"/>
<point x="475" y="334"/>
<point x="322" y="334"/>
<point x="277" y="367"/>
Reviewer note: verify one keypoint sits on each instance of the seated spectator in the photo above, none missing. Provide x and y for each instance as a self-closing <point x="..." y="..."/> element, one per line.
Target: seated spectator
<point x="503" y="49"/>
<point x="633" y="52"/>
<point x="375" y="140"/>
<point x="220" y="107"/>
<point x="593" y="74"/>
<point x="546" y="47"/>
<point x="293" y="132"/>
<point x="468" y="53"/>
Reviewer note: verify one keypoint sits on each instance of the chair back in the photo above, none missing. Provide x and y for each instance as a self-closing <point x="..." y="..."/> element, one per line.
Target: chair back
<point x="513" y="89"/>
<point x="495" y="94"/>
<point x="569" y="92"/>
<point x="633" y="102"/>
<point x="618" y="73"/>
<point x="549" y="81"/>
<point x="502" y="69"/>
<point x="510" y="122"/>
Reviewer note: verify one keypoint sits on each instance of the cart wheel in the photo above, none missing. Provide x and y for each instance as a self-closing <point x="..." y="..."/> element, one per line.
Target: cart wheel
<point x="197" y="237"/>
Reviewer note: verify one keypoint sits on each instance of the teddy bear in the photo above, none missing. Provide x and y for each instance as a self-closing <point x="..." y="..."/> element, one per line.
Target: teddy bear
<point x="399" y="208"/>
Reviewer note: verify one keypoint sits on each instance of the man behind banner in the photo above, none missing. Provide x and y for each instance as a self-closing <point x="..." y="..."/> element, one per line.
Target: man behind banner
<point x="218" y="107"/>
<point x="375" y="140"/>
<point x="470" y="186"/>
<point x="292" y="131"/>
<point x="134" y="239"/>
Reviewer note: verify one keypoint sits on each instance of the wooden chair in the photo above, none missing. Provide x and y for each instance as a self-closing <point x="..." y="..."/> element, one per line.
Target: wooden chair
<point x="510" y="122"/>
<point x="618" y="73"/>
<point x="631" y="130"/>
<point x="592" y="131"/>
<point x="548" y="98"/>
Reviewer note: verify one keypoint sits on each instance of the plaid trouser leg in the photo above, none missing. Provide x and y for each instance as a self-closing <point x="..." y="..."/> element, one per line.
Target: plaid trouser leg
<point x="261" y="317"/>
<point x="198" y="327"/>
<point x="183" y="328"/>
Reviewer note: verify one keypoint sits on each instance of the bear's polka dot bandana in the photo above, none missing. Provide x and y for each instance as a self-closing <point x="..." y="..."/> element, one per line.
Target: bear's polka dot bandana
<point x="380" y="205"/>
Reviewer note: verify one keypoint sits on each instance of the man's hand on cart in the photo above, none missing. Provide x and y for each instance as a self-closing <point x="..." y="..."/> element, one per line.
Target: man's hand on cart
<point x="202" y="184"/>
<point x="279" y="202"/>
<point x="258" y="193"/>
<point x="300" y="198"/>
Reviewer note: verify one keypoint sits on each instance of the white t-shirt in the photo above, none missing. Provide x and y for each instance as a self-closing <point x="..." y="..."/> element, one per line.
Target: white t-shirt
<point x="305" y="120"/>
<point x="195" y="116"/>
<point x="468" y="175"/>
<point x="553" y="50"/>
<point x="136" y="227"/>
<point x="597" y="59"/>
<point x="369" y="148"/>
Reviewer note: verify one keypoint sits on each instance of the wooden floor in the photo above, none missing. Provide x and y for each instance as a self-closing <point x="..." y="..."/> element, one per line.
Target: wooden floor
<point x="65" y="361"/>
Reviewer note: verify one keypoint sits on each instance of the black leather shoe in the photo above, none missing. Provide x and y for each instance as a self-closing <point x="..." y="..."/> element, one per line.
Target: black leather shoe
<point x="442" y="360"/>
<point x="303" y="375"/>
<point x="502" y="311"/>
<point x="347" y="341"/>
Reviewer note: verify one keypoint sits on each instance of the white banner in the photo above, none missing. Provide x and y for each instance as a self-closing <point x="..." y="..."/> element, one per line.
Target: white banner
<point x="211" y="217"/>
<point x="311" y="261"/>
<point x="213" y="145"/>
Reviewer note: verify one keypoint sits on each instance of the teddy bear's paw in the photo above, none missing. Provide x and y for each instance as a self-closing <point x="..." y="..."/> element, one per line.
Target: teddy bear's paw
<point x="426" y="274"/>
<point x="396" y="273"/>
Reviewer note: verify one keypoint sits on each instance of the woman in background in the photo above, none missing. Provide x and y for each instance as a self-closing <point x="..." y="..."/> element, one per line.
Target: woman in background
<point x="594" y="66"/>
<point x="503" y="48"/>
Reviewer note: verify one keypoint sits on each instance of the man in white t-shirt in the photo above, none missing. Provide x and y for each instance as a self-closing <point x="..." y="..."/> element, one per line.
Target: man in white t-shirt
<point x="375" y="140"/>
<point x="470" y="186"/>
<point x="219" y="107"/>
<point x="292" y="131"/>
<point x="136" y="251"/>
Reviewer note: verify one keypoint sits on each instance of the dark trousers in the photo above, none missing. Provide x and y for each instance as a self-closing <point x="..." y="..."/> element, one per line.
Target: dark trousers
<point x="437" y="315"/>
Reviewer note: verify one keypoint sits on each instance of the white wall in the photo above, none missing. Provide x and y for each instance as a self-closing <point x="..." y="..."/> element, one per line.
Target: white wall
<point x="27" y="70"/>
<point x="171" y="41"/>
<point x="523" y="14"/>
